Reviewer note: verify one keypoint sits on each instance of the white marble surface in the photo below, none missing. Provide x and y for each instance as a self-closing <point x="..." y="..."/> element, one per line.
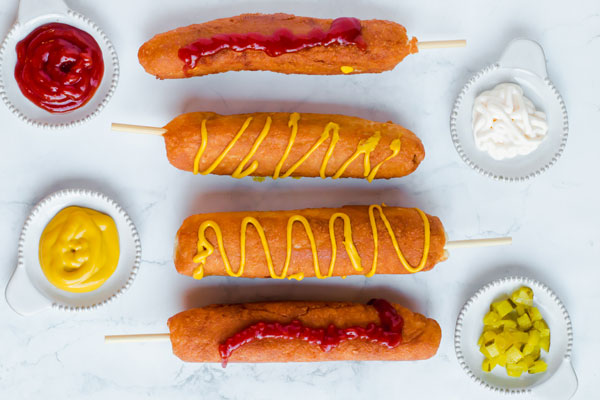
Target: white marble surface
<point x="553" y="219"/>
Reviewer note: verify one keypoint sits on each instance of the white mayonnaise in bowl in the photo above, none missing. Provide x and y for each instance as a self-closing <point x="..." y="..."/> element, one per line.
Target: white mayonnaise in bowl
<point x="509" y="122"/>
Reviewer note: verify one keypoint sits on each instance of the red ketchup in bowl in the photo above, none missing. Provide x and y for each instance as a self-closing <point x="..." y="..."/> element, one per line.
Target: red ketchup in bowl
<point x="59" y="67"/>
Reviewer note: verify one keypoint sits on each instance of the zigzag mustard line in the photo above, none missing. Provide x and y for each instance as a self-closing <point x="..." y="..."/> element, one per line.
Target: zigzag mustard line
<point x="364" y="147"/>
<point x="205" y="249"/>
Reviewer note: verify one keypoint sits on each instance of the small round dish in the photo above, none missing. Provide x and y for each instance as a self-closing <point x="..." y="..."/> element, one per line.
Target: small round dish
<point x="558" y="382"/>
<point x="28" y="290"/>
<point x="34" y="13"/>
<point x="523" y="63"/>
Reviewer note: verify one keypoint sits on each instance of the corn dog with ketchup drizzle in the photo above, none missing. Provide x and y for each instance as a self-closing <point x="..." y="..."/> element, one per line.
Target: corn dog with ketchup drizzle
<point x="298" y="331"/>
<point x="281" y="43"/>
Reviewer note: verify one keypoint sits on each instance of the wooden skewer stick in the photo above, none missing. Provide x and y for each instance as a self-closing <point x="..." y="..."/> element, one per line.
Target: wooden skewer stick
<point x="146" y="130"/>
<point x="441" y="44"/>
<point x="460" y="244"/>
<point x="148" y="337"/>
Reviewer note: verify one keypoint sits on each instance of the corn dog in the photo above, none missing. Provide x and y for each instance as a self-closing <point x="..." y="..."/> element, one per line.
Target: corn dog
<point x="277" y="42"/>
<point x="298" y="145"/>
<point x="303" y="331"/>
<point x="323" y="242"/>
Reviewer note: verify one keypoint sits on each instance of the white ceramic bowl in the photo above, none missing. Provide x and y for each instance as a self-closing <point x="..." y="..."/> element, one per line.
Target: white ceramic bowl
<point x="559" y="381"/>
<point x="34" y="13"/>
<point x="523" y="62"/>
<point x="28" y="290"/>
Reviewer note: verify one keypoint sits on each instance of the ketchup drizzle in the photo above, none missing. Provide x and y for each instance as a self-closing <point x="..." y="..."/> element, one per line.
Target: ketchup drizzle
<point x="388" y="334"/>
<point x="343" y="31"/>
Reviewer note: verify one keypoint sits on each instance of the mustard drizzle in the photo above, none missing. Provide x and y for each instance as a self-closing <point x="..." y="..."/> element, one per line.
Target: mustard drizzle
<point x="364" y="147"/>
<point x="205" y="248"/>
<point x="395" y="147"/>
<point x="292" y="123"/>
<point x="390" y="231"/>
<point x="239" y="171"/>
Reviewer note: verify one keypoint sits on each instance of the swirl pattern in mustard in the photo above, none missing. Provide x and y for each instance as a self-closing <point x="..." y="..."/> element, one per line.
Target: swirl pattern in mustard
<point x="205" y="249"/>
<point x="79" y="249"/>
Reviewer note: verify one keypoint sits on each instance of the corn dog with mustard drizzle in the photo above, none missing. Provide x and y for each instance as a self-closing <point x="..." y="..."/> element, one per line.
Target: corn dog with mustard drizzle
<point x="323" y="242"/>
<point x="280" y="145"/>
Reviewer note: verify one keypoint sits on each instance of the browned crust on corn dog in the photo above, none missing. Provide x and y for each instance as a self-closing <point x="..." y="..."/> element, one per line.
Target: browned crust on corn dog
<point x="196" y="334"/>
<point x="405" y="222"/>
<point x="183" y="139"/>
<point x="387" y="45"/>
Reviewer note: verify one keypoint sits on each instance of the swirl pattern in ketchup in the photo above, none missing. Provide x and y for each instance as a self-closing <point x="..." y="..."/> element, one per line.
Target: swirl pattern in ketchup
<point x="59" y="67"/>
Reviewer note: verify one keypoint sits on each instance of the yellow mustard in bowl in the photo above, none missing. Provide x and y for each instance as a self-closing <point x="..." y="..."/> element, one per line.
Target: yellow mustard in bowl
<point x="79" y="249"/>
